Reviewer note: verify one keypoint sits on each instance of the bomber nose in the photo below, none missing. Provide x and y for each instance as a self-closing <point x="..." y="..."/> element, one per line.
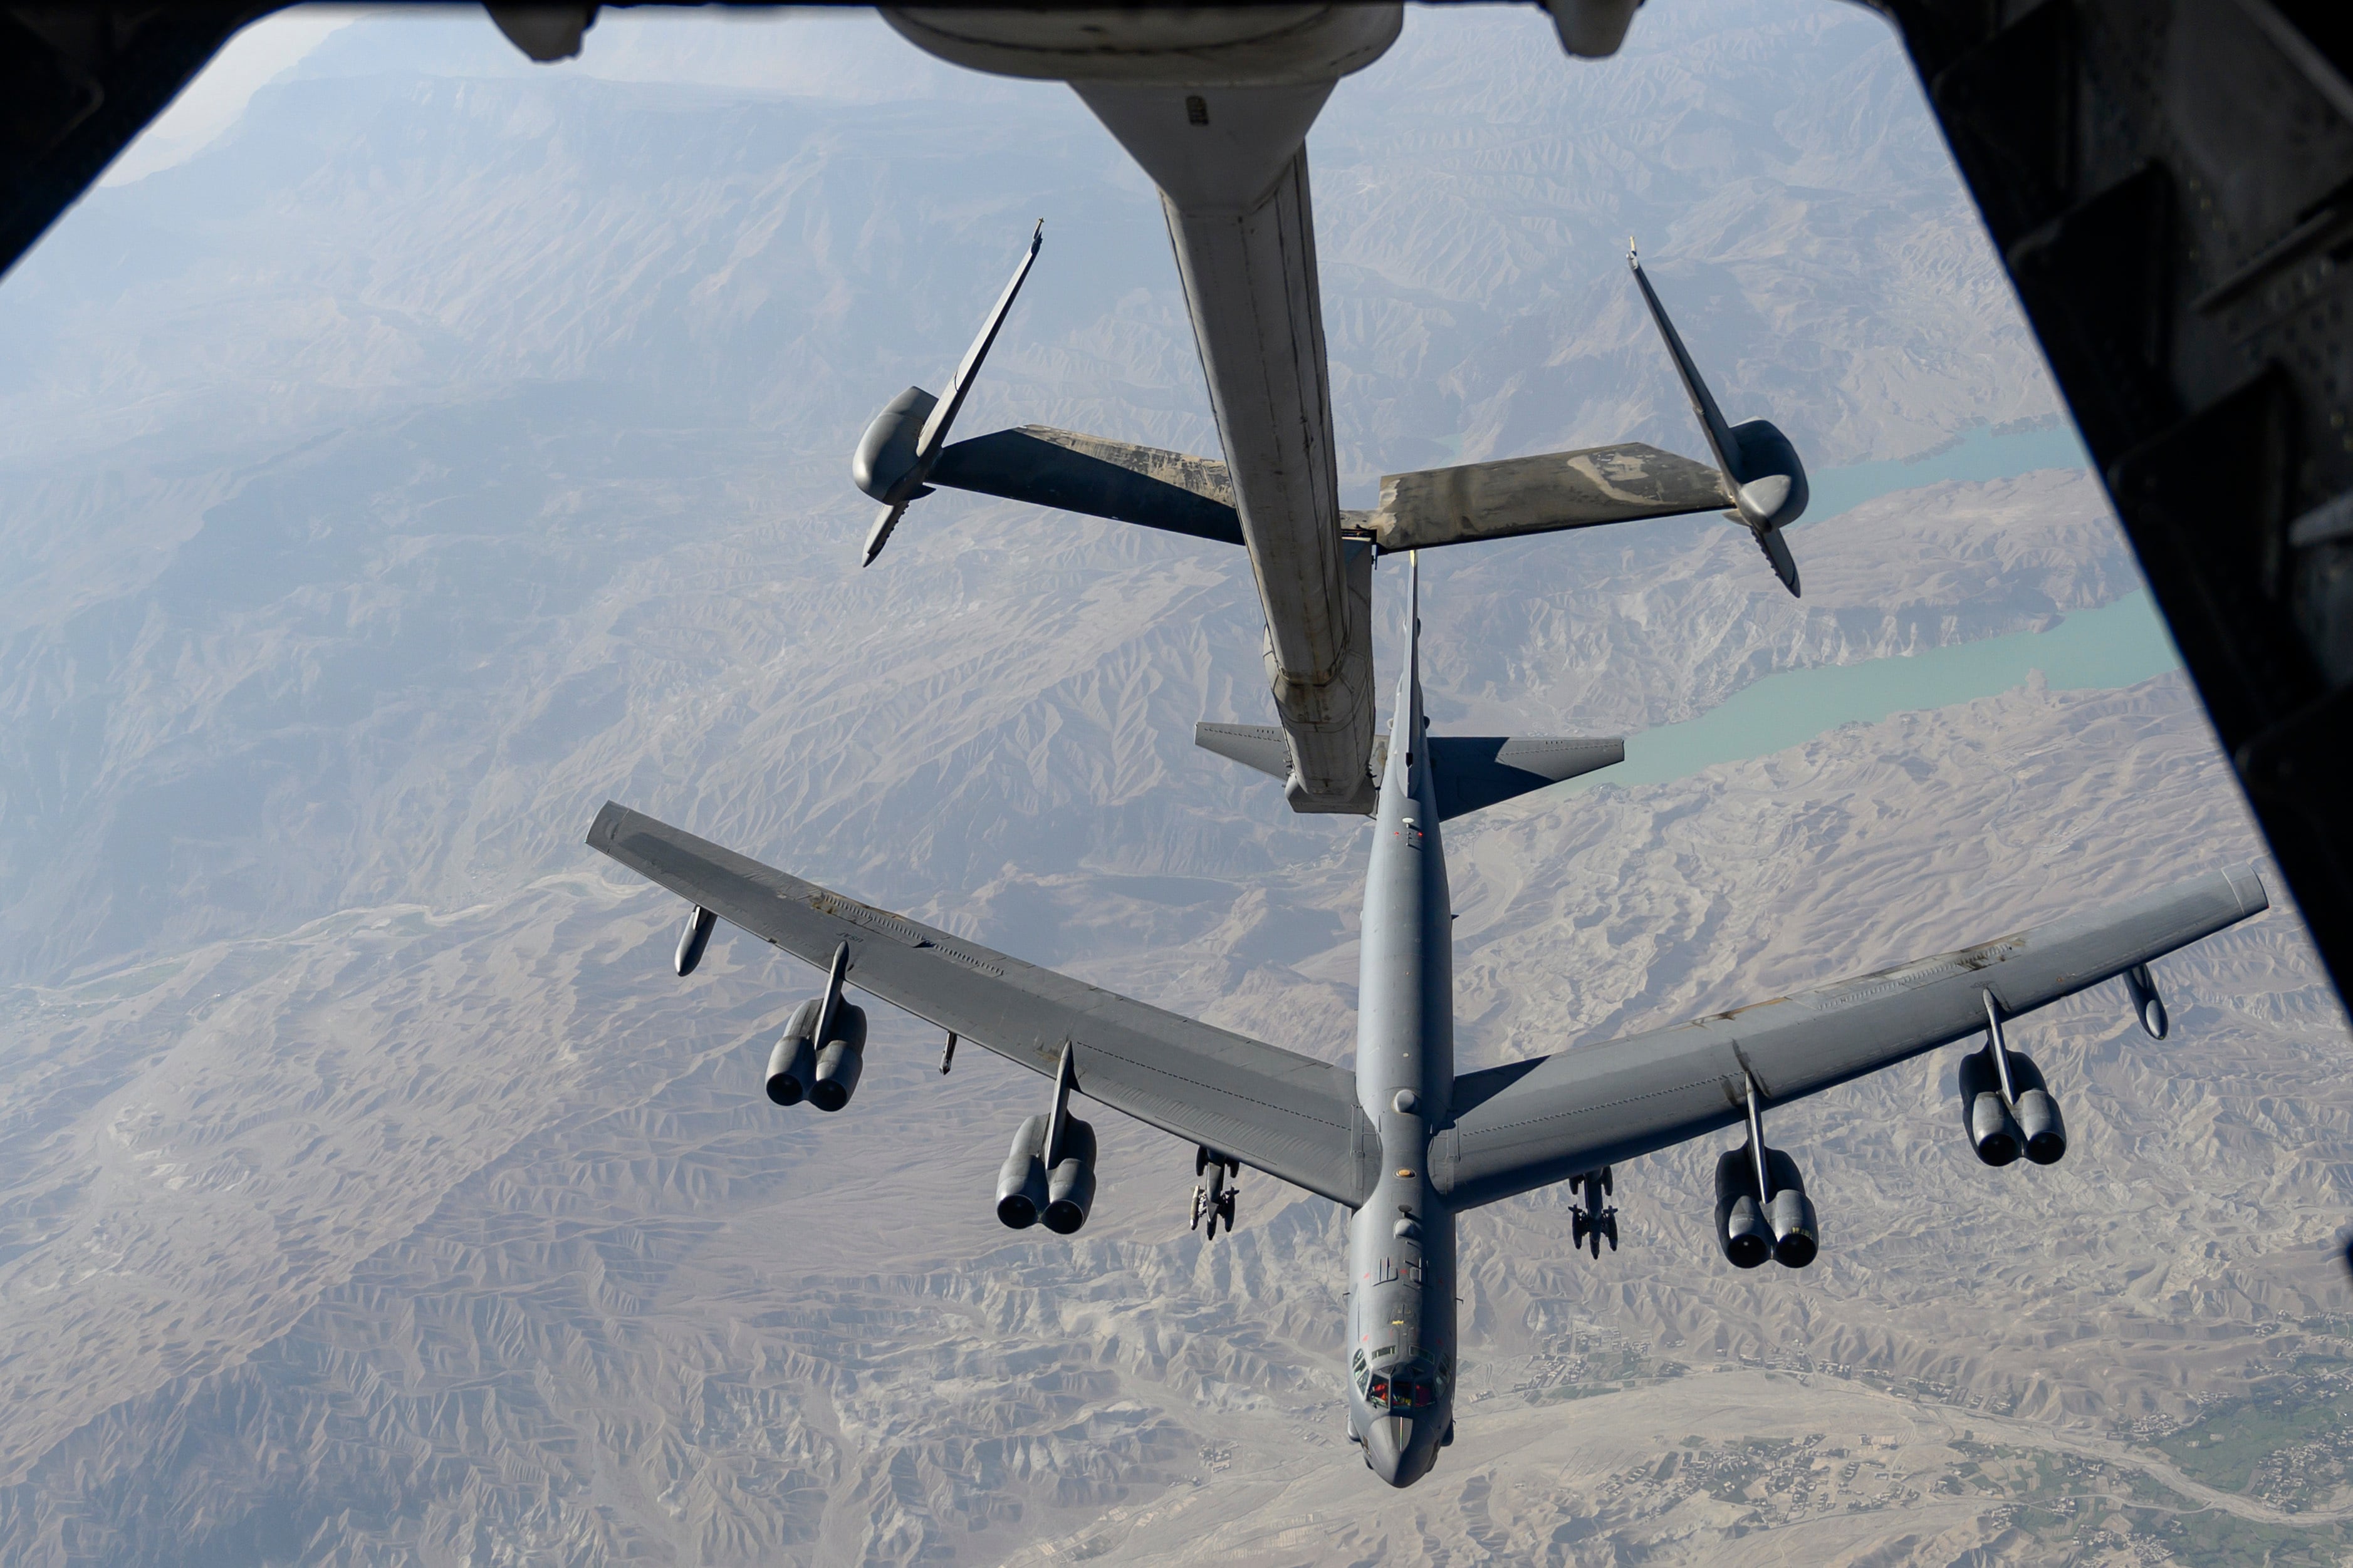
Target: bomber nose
<point x="1392" y="1453"/>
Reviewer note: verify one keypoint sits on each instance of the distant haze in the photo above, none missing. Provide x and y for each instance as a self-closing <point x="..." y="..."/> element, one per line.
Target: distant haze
<point x="414" y="448"/>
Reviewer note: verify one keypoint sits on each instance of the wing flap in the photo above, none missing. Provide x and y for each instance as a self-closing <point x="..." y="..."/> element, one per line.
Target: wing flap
<point x="1524" y="1125"/>
<point x="1286" y="1114"/>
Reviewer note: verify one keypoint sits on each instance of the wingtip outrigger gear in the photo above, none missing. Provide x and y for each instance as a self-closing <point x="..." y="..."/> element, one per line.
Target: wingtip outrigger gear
<point x="1760" y="471"/>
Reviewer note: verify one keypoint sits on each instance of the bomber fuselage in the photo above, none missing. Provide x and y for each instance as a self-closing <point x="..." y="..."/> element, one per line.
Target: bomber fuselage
<point x="1401" y="1340"/>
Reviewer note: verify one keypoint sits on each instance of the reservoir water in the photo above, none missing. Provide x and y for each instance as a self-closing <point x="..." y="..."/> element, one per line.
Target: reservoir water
<point x="2119" y="644"/>
<point x="1980" y="454"/>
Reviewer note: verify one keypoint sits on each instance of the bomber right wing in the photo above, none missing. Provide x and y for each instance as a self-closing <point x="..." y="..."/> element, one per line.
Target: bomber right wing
<point x="1529" y="1123"/>
<point x="1289" y="1115"/>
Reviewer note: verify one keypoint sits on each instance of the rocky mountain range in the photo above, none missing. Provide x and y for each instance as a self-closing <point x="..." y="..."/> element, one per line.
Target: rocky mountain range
<point x="454" y="444"/>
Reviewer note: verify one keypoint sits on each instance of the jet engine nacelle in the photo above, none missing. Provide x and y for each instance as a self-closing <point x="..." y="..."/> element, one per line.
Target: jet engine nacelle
<point x="1790" y="1214"/>
<point x="1751" y="1228"/>
<point x="1021" y="1189"/>
<point x="792" y="1066"/>
<point x="2038" y="1112"/>
<point x="1740" y="1224"/>
<point x="841" y="1059"/>
<point x="1070" y="1183"/>
<point x="1986" y="1117"/>
<point x="886" y="453"/>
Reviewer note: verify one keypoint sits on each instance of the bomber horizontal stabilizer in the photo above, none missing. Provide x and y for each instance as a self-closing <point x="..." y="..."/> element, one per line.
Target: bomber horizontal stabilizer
<point x="1475" y="771"/>
<point x="1259" y="746"/>
<point x="1470" y="771"/>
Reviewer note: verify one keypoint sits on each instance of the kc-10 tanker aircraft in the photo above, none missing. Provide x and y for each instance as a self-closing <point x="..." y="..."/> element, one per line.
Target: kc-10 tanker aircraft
<point x="1215" y="104"/>
<point x="1402" y="1140"/>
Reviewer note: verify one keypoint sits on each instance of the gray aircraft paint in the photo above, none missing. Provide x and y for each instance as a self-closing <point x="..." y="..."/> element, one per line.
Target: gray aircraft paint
<point x="1401" y="1262"/>
<point x="1402" y="1140"/>
<point x="1215" y="108"/>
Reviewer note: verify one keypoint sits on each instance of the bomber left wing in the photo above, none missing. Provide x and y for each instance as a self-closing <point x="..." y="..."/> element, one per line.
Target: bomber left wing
<point x="1281" y="1112"/>
<point x="1526" y="1124"/>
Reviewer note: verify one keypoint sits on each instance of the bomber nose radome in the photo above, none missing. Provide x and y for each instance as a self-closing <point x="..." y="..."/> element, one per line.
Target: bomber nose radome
<point x="1394" y="1455"/>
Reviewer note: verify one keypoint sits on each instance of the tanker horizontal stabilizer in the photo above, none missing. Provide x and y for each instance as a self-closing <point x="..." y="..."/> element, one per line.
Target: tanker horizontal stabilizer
<point x="895" y="457"/>
<point x="1517" y="496"/>
<point x="1762" y="478"/>
<point x="1099" y="477"/>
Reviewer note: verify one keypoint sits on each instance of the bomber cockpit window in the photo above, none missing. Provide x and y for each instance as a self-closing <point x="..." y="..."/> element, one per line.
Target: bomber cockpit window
<point x="1414" y="1386"/>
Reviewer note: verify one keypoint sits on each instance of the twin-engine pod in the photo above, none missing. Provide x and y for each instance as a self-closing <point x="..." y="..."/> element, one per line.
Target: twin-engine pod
<point x="1049" y="1173"/>
<point x="1773" y="1220"/>
<point x="823" y="1048"/>
<point x="826" y="1074"/>
<point x="1993" y="1131"/>
<point x="2006" y="1106"/>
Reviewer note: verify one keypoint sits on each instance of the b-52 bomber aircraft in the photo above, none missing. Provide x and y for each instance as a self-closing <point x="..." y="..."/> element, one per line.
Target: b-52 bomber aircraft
<point x="1215" y="104"/>
<point x="1402" y="1140"/>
